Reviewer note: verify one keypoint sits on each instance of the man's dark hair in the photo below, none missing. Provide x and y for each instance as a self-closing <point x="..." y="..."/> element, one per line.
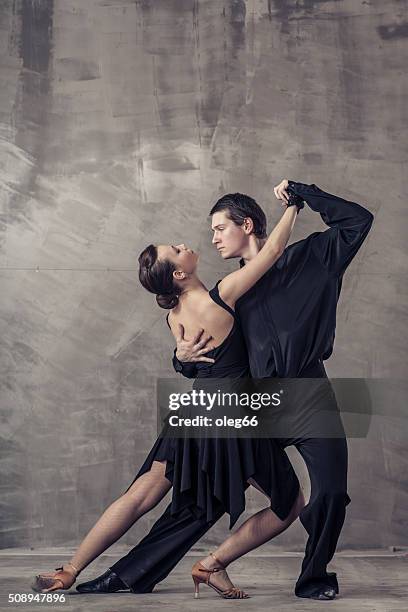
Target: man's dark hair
<point x="240" y="206"/>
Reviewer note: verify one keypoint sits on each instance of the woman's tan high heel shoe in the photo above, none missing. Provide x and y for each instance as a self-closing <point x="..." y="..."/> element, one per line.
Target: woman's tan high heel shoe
<point x="62" y="579"/>
<point x="200" y="573"/>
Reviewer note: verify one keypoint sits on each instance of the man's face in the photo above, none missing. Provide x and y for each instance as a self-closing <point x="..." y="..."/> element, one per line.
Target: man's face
<point x="229" y="238"/>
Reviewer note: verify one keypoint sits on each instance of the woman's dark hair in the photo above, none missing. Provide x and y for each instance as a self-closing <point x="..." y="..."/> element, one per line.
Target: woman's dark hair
<point x="239" y="207"/>
<point x="157" y="277"/>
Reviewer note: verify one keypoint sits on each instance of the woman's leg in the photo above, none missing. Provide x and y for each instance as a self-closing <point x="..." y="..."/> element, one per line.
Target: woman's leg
<point x="258" y="529"/>
<point x="142" y="496"/>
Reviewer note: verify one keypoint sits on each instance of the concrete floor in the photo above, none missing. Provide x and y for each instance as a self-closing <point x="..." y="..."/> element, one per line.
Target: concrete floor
<point x="370" y="582"/>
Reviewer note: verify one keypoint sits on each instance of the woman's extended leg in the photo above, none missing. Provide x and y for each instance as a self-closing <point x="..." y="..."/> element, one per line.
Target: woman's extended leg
<point x="142" y="496"/>
<point x="256" y="530"/>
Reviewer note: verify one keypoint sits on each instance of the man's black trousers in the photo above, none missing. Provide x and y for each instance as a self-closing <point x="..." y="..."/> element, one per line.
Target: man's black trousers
<point x="323" y="517"/>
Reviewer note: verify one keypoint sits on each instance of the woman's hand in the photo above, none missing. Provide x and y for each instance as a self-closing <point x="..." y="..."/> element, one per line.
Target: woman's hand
<point x="281" y="191"/>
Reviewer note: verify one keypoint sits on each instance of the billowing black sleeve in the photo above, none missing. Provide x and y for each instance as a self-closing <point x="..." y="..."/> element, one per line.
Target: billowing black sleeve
<point x="186" y="368"/>
<point x="349" y="224"/>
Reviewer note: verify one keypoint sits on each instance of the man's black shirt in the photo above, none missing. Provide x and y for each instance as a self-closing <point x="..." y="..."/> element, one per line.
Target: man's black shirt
<point x="289" y="317"/>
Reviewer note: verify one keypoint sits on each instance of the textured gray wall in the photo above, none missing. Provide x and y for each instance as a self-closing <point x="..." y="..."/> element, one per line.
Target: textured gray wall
<point x="121" y="122"/>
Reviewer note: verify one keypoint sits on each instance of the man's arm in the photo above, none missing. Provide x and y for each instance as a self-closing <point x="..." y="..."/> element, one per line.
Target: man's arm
<point x="189" y="352"/>
<point x="186" y="368"/>
<point x="349" y="224"/>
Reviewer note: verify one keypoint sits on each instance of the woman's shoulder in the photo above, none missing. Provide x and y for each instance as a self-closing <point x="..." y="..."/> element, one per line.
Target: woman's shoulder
<point x="185" y="313"/>
<point x="203" y="312"/>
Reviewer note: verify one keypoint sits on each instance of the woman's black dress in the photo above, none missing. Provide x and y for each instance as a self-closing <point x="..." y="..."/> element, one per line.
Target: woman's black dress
<point x="206" y="472"/>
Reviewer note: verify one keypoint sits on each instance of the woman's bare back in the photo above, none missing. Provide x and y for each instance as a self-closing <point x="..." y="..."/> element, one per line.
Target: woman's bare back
<point x="202" y="313"/>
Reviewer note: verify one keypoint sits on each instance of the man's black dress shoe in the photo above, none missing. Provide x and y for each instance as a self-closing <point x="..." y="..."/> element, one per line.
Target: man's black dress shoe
<point x="326" y="593"/>
<point x="108" y="582"/>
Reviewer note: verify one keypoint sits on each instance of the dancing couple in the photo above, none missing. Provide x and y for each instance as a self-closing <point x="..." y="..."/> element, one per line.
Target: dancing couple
<point x="273" y="317"/>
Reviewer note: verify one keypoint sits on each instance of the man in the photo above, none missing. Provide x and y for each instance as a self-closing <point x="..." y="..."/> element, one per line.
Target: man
<point x="288" y="320"/>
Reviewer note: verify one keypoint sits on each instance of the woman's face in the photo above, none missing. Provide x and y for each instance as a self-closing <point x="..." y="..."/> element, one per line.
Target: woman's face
<point x="183" y="258"/>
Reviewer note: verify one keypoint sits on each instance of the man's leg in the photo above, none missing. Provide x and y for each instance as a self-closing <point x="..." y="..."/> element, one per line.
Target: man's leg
<point x="159" y="552"/>
<point x="323" y="516"/>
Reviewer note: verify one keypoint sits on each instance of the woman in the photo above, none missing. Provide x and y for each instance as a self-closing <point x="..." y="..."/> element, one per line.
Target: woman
<point x="170" y="273"/>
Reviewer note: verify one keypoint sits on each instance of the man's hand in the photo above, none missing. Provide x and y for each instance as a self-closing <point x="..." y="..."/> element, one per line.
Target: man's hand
<point x="281" y="191"/>
<point x="192" y="350"/>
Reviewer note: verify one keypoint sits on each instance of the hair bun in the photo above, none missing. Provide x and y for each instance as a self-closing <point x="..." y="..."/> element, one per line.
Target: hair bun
<point x="168" y="300"/>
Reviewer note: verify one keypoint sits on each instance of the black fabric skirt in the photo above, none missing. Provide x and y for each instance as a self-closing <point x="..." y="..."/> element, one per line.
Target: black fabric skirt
<point x="212" y="471"/>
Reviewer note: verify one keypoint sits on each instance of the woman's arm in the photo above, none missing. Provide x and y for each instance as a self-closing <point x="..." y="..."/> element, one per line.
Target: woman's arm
<point x="237" y="283"/>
